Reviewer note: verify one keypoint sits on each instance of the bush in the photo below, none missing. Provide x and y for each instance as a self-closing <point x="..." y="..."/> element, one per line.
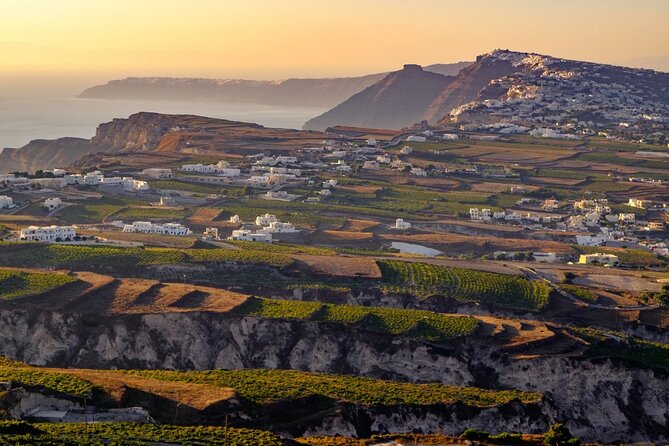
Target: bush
<point x="559" y="435"/>
<point x="474" y="435"/>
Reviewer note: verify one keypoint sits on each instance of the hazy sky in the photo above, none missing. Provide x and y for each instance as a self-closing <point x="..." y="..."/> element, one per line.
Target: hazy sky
<point x="57" y="43"/>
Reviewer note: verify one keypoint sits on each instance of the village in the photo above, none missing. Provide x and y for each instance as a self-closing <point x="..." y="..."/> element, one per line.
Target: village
<point x="312" y="175"/>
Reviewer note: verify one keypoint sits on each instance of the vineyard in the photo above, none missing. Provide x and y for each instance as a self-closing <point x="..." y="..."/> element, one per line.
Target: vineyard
<point x="14" y="371"/>
<point x="85" y="257"/>
<point x="79" y="434"/>
<point x="16" y="284"/>
<point x="464" y="285"/>
<point x="265" y="386"/>
<point x="417" y="324"/>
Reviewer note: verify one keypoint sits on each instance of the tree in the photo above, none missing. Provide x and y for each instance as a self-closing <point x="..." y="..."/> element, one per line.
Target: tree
<point x="559" y="435"/>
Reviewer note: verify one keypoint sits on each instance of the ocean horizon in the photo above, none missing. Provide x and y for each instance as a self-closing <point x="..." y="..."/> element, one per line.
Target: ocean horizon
<point x="23" y="119"/>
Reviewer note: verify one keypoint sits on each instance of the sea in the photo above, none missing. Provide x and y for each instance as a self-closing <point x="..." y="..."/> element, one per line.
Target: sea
<point x="23" y="119"/>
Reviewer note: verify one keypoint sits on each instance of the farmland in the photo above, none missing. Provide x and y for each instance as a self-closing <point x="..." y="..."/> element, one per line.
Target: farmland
<point x="422" y="325"/>
<point x="79" y="434"/>
<point x="16" y="284"/>
<point x="266" y="386"/>
<point x="463" y="284"/>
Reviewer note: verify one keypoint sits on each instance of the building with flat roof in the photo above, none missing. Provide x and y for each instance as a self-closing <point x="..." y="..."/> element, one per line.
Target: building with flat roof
<point x="48" y="233"/>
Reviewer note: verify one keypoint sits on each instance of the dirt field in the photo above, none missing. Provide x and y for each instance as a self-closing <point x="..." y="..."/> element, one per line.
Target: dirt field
<point x="119" y="385"/>
<point x="339" y="266"/>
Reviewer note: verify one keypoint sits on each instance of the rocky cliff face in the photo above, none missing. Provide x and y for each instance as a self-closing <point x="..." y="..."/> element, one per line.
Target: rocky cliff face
<point x="44" y="154"/>
<point x="140" y="132"/>
<point x="603" y="400"/>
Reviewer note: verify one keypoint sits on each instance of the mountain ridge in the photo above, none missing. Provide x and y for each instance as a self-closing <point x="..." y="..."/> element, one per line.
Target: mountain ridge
<point x="398" y="100"/>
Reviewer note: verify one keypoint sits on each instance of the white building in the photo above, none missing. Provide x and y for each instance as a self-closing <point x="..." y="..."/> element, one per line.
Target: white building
<point x="236" y="219"/>
<point x="370" y="165"/>
<point x="157" y="173"/>
<point x="6" y="202"/>
<point x="147" y="227"/>
<point x="602" y="259"/>
<point x="222" y="168"/>
<point x="401" y="224"/>
<point x="277" y="227"/>
<point x="450" y="136"/>
<point x="480" y="215"/>
<point x="249" y="236"/>
<point x="371" y="142"/>
<point x="280" y="195"/>
<point x="638" y="203"/>
<point x="47" y="233"/>
<point x="59" y="172"/>
<point x="406" y="150"/>
<point x="626" y="218"/>
<point x="417" y="171"/>
<point x="329" y="183"/>
<point x="264" y="220"/>
<point x="52" y="203"/>
<point x="416" y="138"/>
<point x="211" y="234"/>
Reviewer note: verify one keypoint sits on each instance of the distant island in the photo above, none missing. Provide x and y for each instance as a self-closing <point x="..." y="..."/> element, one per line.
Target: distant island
<point x="325" y="92"/>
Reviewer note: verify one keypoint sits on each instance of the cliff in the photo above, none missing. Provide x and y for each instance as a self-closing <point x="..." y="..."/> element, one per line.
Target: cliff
<point x="396" y="101"/>
<point x="45" y="154"/>
<point x="599" y="399"/>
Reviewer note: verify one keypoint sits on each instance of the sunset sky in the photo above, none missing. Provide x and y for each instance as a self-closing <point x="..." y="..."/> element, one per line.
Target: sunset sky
<point x="272" y="39"/>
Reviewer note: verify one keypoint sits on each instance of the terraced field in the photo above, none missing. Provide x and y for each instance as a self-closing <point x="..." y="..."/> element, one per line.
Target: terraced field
<point x="464" y="285"/>
<point x="16" y="284"/>
<point x="423" y="325"/>
<point x="86" y="257"/>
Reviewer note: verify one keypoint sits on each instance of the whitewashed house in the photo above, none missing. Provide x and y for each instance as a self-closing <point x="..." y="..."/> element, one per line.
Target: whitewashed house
<point x="236" y="219"/>
<point x="147" y="227"/>
<point x="48" y="233"/>
<point x="401" y="224"/>
<point x="52" y="203"/>
<point x="264" y="220"/>
<point x="277" y="227"/>
<point x="6" y="202"/>
<point x="249" y="236"/>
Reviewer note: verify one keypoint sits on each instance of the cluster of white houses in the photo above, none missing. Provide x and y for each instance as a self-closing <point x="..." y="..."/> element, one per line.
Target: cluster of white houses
<point x="268" y="224"/>
<point x="96" y="178"/>
<point x="222" y="168"/>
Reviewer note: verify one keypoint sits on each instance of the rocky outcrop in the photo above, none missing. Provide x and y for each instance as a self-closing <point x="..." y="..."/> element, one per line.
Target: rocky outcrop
<point x="45" y="154"/>
<point x="396" y="101"/>
<point x="140" y="132"/>
<point x="599" y="399"/>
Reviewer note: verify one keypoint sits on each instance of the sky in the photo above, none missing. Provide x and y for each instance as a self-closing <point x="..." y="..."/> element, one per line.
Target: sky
<point x="58" y="45"/>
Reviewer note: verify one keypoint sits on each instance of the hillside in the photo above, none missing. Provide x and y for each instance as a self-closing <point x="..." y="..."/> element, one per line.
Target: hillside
<point x="518" y="90"/>
<point x="325" y="92"/>
<point x="396" y="101"/>
<point x="506" y="86"/>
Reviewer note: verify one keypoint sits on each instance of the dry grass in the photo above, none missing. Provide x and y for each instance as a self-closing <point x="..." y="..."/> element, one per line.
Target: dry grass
<point x="339" y="266"/>
<point x="359" y="225"/>
<point x="197" y="396"/>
